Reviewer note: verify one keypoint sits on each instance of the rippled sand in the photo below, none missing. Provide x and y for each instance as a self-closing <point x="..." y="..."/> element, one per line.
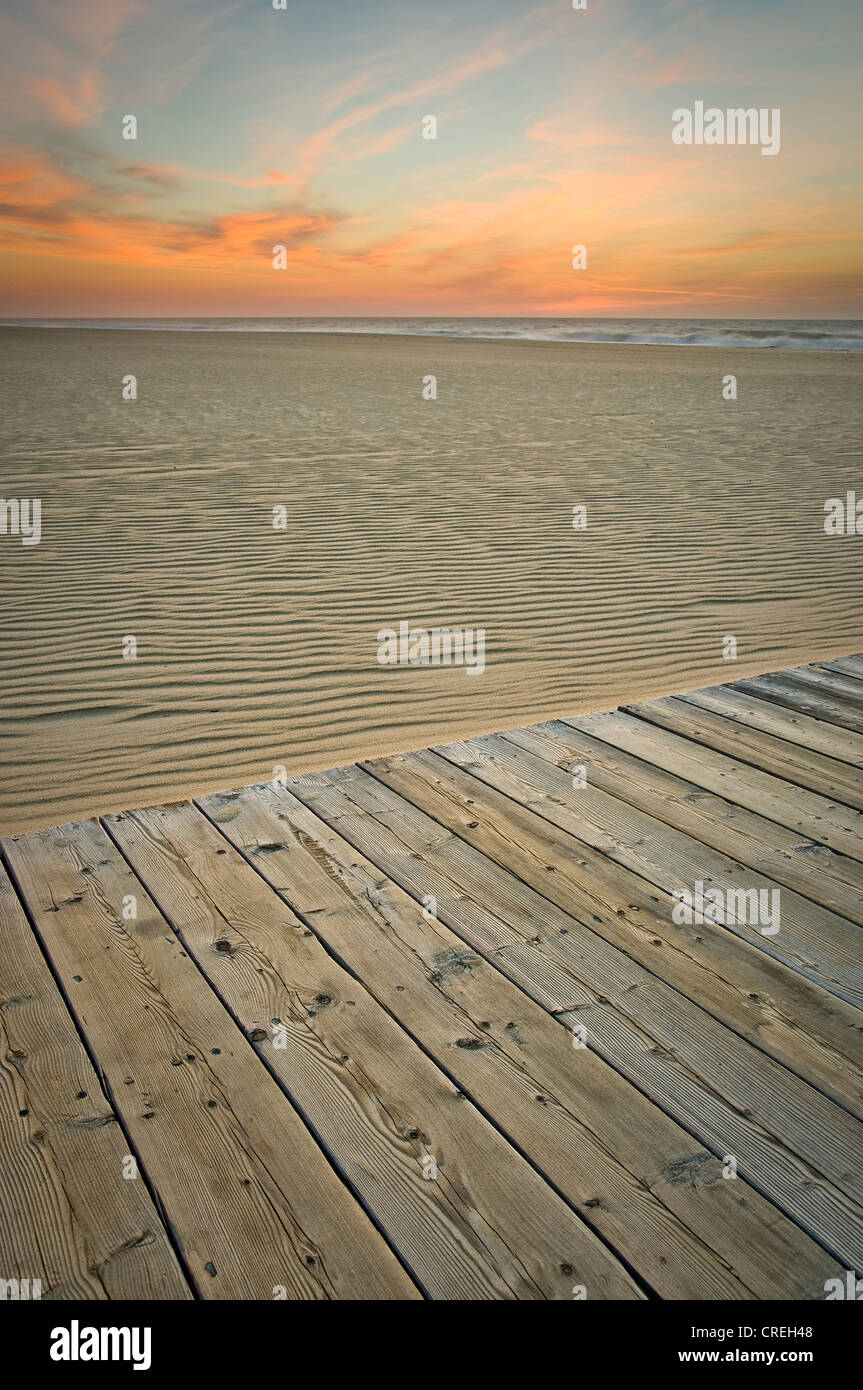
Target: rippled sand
<point x="257" y="647"/>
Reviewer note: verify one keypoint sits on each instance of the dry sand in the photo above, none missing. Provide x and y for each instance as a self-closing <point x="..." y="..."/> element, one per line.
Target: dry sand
<point x="258" y="647"/>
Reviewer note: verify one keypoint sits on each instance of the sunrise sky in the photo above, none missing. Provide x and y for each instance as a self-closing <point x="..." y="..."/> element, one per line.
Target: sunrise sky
<point x="304" y="127"/>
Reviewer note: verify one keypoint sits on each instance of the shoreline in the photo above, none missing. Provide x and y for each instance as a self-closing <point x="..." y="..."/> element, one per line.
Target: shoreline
<point x="732" y="344"/>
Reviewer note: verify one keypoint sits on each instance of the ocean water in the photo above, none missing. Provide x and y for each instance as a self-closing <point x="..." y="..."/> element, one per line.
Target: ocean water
<point x="257" y="647"/>
<point x="838" y="335"/>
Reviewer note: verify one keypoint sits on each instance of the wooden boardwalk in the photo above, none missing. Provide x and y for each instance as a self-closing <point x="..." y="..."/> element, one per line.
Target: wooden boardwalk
<point x="428" y="1027"/>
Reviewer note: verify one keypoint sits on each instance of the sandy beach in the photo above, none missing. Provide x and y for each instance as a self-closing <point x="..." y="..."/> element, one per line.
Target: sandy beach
<point x="257" y="647"/>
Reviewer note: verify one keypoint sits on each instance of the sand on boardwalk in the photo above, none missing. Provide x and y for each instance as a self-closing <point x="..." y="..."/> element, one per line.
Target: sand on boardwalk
<point x="257" y="647"/>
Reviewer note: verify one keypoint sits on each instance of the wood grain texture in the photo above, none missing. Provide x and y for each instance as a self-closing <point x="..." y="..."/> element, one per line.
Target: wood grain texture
<point x="615" y="1155"/>
<point x="668" y="1047"/>
<point x="732" y="807"/>
<point x="428" y="1027"/>
<point x="795" y="747"/>
<point x="68" y="1216"/>
<point x="846" y="666"/>
<point x="774" y="1008"/>
<point x="250" y="1198"/>
<point x="814" y="941"/>
<point x="793" y="695"/>
<point x="831" y="683"/>
<point x="486" y="1226"/>
<point x="758" y="816"/>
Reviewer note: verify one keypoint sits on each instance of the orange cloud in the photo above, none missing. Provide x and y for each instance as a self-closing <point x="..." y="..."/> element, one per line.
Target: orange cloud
<point x="525" y="168"/>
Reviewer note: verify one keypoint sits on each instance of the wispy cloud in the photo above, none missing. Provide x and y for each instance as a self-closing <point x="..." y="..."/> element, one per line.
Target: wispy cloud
<point x="303" y="128"/>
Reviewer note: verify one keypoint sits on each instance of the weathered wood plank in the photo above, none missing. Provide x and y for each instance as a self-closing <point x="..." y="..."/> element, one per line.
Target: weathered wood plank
<point x="846" y="666"/>
<point x="738" y="1110"/>
<point x="615" y="1155"/>
<point x="251" y="1200"/>
<point x="716" y="800"/>
<point x="812" y="940"/>
<point x="832" y="684"/>
<point x="782" y="1013"/>
<point x="511" y="835"/>
<point x="425" y="934"/>
<point x="68" y="1215"/>
<point x="487" y="1226"/>
<point x="797" y="697"/>
<point x="798" y="749"/>
<point x="814" y="817"/>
